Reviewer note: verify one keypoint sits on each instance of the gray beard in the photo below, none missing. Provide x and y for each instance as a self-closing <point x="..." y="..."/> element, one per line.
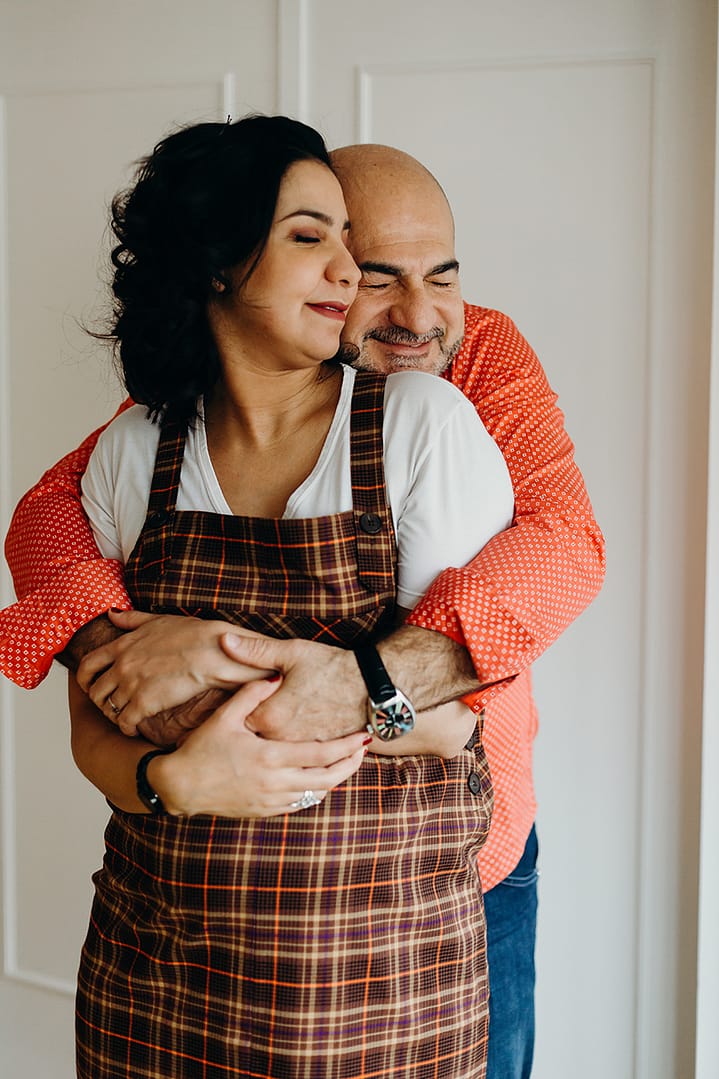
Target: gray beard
<point x="356" y="357"/>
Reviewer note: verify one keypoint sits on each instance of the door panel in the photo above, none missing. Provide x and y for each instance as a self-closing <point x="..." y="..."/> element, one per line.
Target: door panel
<point x="88" y="89"/>
<point x="575" y="143"/>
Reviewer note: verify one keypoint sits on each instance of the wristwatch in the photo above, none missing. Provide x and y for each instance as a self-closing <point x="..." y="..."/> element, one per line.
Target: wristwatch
<point x="390" y="713"/>
<point x="145" y="791"/>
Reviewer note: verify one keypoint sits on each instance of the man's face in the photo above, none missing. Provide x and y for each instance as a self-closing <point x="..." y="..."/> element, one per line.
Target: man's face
<point x="408" y="314"/>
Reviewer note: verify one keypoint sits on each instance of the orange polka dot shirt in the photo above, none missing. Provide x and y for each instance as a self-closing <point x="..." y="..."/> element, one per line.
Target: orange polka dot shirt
<point x="506" y="606"/>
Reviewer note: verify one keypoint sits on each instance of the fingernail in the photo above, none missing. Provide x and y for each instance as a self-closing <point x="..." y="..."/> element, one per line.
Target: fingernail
<point x="274" y="677"/>
<point x="366" y="741"/>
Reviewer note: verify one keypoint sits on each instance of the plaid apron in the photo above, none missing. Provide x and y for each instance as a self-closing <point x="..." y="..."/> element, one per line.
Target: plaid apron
<point x="343" y="941"/>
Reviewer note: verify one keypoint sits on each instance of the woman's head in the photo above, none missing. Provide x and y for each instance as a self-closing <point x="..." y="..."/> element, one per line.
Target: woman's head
<point x="203" y="202"/>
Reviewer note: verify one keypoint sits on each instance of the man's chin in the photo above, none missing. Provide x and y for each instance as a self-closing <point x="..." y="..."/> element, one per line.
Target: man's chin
<point x="386" y="362"/>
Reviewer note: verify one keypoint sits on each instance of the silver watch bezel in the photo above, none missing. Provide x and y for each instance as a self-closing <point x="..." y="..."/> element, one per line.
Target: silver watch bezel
<point x="382" y="716"/>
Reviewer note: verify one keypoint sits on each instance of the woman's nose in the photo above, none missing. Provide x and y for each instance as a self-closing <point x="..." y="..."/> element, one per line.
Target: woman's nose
<point x="345" y="269"/>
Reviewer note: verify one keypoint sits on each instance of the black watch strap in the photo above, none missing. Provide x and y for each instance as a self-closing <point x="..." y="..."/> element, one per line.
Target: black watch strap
<point x="379" y="684"/>
<point x="145" y="792"/>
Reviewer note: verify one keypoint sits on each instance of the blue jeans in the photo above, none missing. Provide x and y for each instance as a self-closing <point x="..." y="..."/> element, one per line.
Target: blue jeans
<point x="511" y="912"/>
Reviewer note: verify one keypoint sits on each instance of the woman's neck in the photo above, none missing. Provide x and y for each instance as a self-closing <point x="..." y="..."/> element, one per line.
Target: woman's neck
<point x="262" y="408"/>
<point x="265" y="442"/>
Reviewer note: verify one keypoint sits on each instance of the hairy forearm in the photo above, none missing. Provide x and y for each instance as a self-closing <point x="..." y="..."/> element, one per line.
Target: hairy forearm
<point x="95" y="634"/>
<point x="428" y="667"/>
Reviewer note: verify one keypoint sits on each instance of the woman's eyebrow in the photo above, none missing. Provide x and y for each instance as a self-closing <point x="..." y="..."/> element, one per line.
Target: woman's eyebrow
<point x="316" y="214"/>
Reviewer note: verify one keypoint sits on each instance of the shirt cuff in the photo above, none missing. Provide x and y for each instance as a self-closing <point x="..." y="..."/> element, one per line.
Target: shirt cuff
<point x="498" y="645"/>
<point x="37" y="628"/>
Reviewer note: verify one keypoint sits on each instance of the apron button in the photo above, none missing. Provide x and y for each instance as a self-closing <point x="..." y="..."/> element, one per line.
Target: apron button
<point x="158" y="518"/>
<point x="474" y="782"/>
<point x="370" y="523"/>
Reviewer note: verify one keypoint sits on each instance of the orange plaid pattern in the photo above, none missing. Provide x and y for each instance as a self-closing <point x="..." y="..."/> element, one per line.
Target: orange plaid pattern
<point x="344" y="940"/>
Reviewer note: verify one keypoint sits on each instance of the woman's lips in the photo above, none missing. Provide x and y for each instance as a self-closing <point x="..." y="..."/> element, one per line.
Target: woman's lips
<point x="336" y="311"/>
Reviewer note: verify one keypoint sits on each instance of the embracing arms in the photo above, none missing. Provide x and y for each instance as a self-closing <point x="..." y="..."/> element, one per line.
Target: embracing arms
<point x="485" y="622"/>
<point x="220" y="768"/>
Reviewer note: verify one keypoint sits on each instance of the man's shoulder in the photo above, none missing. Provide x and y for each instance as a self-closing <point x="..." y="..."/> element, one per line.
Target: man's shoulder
<point x="481" y="323"/>
<point x="491" y="343"/>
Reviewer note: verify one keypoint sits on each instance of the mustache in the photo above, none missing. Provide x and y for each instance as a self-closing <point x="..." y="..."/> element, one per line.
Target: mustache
<point x="394" y="335"/>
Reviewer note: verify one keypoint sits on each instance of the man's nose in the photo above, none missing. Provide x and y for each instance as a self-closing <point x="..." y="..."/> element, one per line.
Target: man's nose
<point x="413" y="310"/>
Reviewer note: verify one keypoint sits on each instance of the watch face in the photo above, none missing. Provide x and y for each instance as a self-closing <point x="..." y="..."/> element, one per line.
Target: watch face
<point x="392" y="718"/>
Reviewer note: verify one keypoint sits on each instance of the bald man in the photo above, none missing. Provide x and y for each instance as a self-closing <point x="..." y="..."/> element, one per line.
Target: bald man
<point x="478" y="629"/>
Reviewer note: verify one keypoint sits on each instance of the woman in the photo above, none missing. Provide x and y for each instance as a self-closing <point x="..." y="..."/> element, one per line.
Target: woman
<point x="254" y="927"/>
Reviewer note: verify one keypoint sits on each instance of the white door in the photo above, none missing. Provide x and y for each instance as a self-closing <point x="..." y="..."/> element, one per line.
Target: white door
<point x="575" y="141"/>
<point x="87" y="88"/>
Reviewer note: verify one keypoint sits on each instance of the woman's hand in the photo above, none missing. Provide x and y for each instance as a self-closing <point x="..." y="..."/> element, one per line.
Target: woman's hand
<point x="222" y="767"/>
<point x="161" y="662"/>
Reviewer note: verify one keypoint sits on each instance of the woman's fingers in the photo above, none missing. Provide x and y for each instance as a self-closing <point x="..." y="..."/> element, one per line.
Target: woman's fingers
<point x="129" y="620"/>
<point x="162" y="662"/>
<point x="222" y="767"/>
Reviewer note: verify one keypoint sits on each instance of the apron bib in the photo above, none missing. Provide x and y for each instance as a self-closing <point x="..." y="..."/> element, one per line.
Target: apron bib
<point x="346" y="940"/>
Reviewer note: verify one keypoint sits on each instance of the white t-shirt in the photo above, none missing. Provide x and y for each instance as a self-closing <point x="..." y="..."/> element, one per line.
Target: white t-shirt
<point x="448" y="485"/>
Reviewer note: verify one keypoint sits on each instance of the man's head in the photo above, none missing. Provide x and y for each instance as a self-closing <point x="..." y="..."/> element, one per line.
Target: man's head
<point x="408" y="313"/>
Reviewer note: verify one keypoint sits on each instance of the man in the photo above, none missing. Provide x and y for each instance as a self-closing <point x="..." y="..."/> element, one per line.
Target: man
<point x="480" y="625"/>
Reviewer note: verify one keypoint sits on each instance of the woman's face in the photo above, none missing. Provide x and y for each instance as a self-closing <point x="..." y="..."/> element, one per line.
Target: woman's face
<point x="292" y="309"/>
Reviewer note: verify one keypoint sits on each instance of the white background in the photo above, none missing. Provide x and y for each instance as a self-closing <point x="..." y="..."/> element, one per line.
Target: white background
<point x="576" y="143"/>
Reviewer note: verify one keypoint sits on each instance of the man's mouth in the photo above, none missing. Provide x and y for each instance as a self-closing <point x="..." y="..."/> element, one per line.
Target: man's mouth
<point x="402" y="344"/>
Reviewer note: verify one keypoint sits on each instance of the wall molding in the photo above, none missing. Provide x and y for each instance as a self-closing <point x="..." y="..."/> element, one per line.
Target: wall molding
<point x="223" y="93"/>
<point x="9" y="913"/>
<point x="650" y="915"/>
<point x="11" y="968"/>
<point x="707" y="1030"/>
<point x="366" y="73"/>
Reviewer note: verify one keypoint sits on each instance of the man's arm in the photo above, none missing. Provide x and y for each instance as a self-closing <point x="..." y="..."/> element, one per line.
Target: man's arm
<point x="514" y="599"/>
<point x="481" y="625"/>
<point x="220" y="768"/>
<point x="61" y="581"/>
<point x="530" y="582"/>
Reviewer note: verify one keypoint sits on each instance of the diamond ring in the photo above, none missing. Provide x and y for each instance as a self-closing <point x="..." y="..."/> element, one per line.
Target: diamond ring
<point x="309" y="798"/>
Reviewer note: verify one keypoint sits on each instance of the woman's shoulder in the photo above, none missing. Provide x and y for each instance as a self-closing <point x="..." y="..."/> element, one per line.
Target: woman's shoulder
<point x="130" y="433"/>
<point x="134" y="418"/>
<point x="423" y="395"/>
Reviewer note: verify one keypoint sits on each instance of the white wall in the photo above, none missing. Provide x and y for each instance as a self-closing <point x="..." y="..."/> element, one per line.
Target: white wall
<point x="707" y="1049"/>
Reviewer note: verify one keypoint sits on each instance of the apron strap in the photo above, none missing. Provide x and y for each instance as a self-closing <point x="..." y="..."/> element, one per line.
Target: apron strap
<point x="154" y="544"/>
<point x="374" y="531"/>
<point x="166" y="477"/>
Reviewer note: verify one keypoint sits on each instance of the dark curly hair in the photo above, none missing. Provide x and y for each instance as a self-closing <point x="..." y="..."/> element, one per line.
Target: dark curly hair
<point x="202" y="202"/>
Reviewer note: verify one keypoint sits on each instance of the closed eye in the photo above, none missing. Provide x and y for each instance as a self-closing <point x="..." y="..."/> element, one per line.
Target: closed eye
<point x="304" y="238"/>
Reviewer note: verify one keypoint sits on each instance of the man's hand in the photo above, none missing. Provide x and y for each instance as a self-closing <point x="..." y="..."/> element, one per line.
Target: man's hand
<point x="158" y="663"/>
<point x="223" y="768"/>
<point x="96" y="633"/>
<point x="170" y="728"/>
<point x="322" y="694"/>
